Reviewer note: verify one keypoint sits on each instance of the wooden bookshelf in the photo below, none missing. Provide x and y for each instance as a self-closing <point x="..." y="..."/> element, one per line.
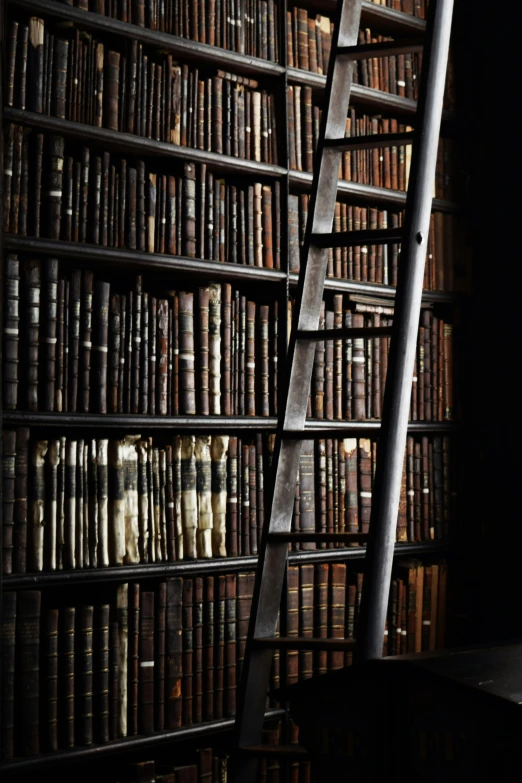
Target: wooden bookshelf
<point x="273" y="76"/>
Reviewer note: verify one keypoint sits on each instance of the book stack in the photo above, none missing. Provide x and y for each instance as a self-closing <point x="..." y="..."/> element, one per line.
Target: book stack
<point x="78" y="78"/>
<point x="146" y="659"/>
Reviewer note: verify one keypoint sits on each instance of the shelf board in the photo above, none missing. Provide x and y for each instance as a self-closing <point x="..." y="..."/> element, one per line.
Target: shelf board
<point x="126" y="744"/>
<point x="130" y="144"/>
<point x="207" y="424"/>
<point x="180" y="47"/>
<point x="132" y="422"/>
<point x="218" y="565"/>
<point x="76" y="252"/>
<point x="369" y="194"/>
<point x="377" y="289"/>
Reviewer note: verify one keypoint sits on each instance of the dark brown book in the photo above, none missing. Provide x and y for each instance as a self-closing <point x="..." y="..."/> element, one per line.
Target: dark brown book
<point x="133" y="670"/>
<point x="84" y="376"/>
<point x="111" y="82"/>
<point x="197" y="641"/>
<point x="188" y="649"/>
<point x="101" y="684"/>
<point x="230" y="645"/>
<point x="186" y="353"/>
<point x="8" y="498"/>
<point x="8" y="672"/>
<point x="208" y="648"/>
<point x="162" y="357"/>
<point x="189" y="210"/>
<point x="160" y="656"/>
<point x="59" y="79"/>
<point x="219" y="645"/>
<point x="100" y="338"/>
<point x="292" y="622"/>
<point x="336" y="611"/>
<point x="20" y="501"/>
<point x="27" y="667"/>
<point x="113" y="679"/>
<point x="173" y="670"/>
<point x="146" y="664"/>
<point x="84" y="677"/>
<point x="11" y="339"/>
<point x="54" y="186"/>
<point x="31" y="315"/>
<point x="203" y="351"/>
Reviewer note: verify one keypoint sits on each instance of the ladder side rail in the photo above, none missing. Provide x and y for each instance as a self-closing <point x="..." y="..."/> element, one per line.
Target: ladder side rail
<point x="392" y="438"/>
<point x="272" y="558"/>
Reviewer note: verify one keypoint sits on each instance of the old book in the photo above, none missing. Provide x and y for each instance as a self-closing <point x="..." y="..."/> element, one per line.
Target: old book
<point x="8" y="499"/>
<point x="173" y="662"/>
<point x="8" y="673"/>
<point x="54" y="186"/>
<point x="85" y="341"/>
<point x="230" y="646"/>
<point x="133" y="658"/>
<point x="11" y="339"/>
<point x="100" y="336"/>
<point x="84" y="677"/>
<point x="70" y="521"/>
<point x="37" y="504"/>
<point x="292" y="622"/>
<point x="336" y="611"/>
<point x="66" y="667"/>
<point x="204" y="496"/>
<point x="188" y="648"/>
<point x="189" y="504"/>
<point x="159" y="657"/>
<point x="113" y="679"/>
<point x="122" y="614"/>
<point x="20" y="501"/>
<point x="186" y="353"/>
<point x="27" y="665"/>
<point x="131" y="515"/>
<point x="31" y="314"/>
<point x="146" y="664"/>
<point x="178" y="490"/>
<point x="245" y="586"/>
<point x="219" y="645"/>
<point x="214" y="347"/>
<point x="203" y="404"/>
<point x="101" y="693"/>
<point x="102" y="501"/>
<point x="197" y="642"/>
<point x="218" y="453"/>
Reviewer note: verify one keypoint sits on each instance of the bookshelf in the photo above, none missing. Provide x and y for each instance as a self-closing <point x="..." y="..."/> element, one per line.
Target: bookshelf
<point x="169" y="270"/>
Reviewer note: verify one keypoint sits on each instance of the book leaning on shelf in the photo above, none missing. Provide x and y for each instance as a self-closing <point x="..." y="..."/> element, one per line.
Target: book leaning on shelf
<point x="144" y="659"/>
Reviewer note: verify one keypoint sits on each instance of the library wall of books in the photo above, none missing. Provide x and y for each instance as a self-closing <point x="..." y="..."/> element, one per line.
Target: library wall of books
<point x="157" y="166"/>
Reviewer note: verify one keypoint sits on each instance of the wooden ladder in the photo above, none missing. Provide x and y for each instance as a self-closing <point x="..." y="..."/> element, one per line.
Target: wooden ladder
<point x="262" y="639"/>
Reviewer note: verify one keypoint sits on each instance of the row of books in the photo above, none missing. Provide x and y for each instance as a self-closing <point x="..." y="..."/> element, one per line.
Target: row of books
<point x="414" y="7"/>
<point x="250" y="28"/>
<point x="447" y="260"/>
<point x="388" y="167"/>
<point x="106" y="200"/>
<point x="89" y="345"/>
<point x="73" y="502"/>
<point x="78" y="78"/>
<point x="143" y="659"/>
<point x="349" y="375"/>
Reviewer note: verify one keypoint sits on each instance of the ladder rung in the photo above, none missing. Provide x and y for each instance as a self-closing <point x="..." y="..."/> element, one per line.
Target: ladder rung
<point x="348" y="333"/>
<point x="304" y="643"/>
<point x="313" y="536"/>
<point x="371" y="141"/>
<point x="382" y="49"/>
<point x="373" y="236"/>
<point x="274" y="751"/>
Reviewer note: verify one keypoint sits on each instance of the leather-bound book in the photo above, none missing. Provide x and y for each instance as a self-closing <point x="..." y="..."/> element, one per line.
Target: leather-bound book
<point x="85" y="341"/>
<point x="133" y="658"/>
<point x="170" y="512"/>
<point x="365" y="483"/>
<point x="66" y="666"/>
<point x="20" y="501"/>
<point x="204" y="496"/>
<point x="102" y="501"/>
<point x="130" y="546"/>
<point x="75" y="300"/>
<point x="37" y="505"/>
<point x="329" y="369"/>
<point x="82" y="508"/>
<point x="292" y="622"/>
<point x="136" y="347"/>
<point x="208" y="629"/>
<point x="203" y="404"/>
<point x="111" y="88"/>
<point x="113" y="680"/>
<point x="162" y="357"/>
<point x="250" y="359"/>
<point x="306" y="617"/>
<point x="232" y="498"/>
<point x="187" y="774"/>
<point x="189" y="210"/>
<point x="84" y="677"/>
<point x="100" y="336"/>
<point x="144" y="512"/>
<point x="205" y="765"/>
<point x="186" y="353"/>
<point x="244" y="603"/>
<point x="189" y="507"/>
<point x="101" y="692"/>
<point x="54" y="186"/>
<point x="307" y="491"/>
<point x="230" y="646"/>
<point x="252" y="498"/>
<point x="156" y="511"/>
<point x="11" y="332"/>
<point x="218" y="453"/>
<point x="173" y="663"/>
<point x="122" y="616"/>
<point x="8" y="498"/>
<point x="178" y="489"/>
<point x="8" y="673"/>
<point x="62" y="346"/>
<point x="31" y="337"/>
<point x="336" y="611"/>
<point x="226" y="354"/>
<point x="330" y="486"/>
<point x="114" y="349"/>
<point x="27" y="667"/>
<point x="142" y="346"/>
<point x="146" y="664"/>
<point x="59" y="78"/>
<point x="159" y="657"/>
<point x="197" y="642"/>
<point x="214" y="348"/>
<point x="244" y="499"/>
<point x="9" y="143"/>
<point x="188" y="650"/>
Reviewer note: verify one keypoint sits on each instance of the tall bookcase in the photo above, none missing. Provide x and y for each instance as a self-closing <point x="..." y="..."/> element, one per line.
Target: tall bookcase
<point x="164" y="272"/>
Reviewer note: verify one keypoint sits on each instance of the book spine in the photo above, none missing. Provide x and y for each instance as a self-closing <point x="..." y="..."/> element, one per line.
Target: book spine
<point x="146" y="664"/>
<point x="32" y="333"/>
<point x="160" y="657"/>
<point x="122" y="613"/>
<point x="173" y="670"/>
<point x="84" y="677"/>
<point x="101" y="690"/>
<point x="20" y="501"/>
<point x="189" y="502"/>
<point x="8" y="659"/>
<point x="230" y="645"/>
<point x="187" y="660"/>
<point x="8" y="498"/>
<point x="27" y="663"/>
<point x="37" y="507"/>
<point x="218" y="452"/>
<point x="11" y="339"/>
<point x="116" y="502"/>
<point x="66" y="671"/>
<point x="186" y="353"/>
<point x="100" y="344"/>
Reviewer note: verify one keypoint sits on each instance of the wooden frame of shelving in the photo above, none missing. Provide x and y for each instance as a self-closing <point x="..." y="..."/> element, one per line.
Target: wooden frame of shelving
<point x="380" y="19"/>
